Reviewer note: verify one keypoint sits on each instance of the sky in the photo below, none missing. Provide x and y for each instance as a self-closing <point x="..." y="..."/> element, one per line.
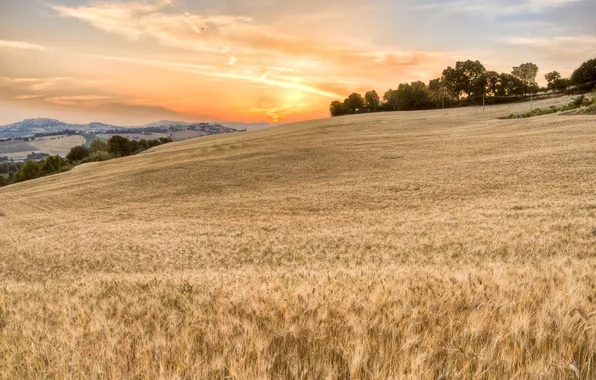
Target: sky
<point x="131" y="62"/>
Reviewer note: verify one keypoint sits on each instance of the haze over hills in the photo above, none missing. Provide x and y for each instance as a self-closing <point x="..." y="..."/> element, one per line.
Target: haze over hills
<point x="229" y="124"/>
<point x="434" y="244"/>
<point x="29" y="127"/>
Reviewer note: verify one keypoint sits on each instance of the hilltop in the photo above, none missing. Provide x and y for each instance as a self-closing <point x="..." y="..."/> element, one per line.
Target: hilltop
<point x="30" y="127"/>
<point x="431" y="244"/>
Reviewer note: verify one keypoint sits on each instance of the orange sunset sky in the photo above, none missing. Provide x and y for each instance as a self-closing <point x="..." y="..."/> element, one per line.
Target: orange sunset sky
<point x="135" y="62"/>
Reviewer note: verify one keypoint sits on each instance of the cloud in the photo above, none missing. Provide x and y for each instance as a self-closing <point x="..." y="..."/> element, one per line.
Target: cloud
<point x="277" y="112"/>
<point x="548" y="42"/>
<point x="243" y="41"/>
<point x="492" y="8"/>
<point x="205" y="70"/>
<point x="79" y="100"/>
<point x="46" y="84"/>
<point x="20" y="45"/>
<point x="83" y="94"/>
<point x="31" y="84"/>
<point x="570" y="48"/>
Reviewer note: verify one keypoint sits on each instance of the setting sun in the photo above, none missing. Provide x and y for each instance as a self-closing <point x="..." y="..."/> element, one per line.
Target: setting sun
<point x="137" y="61"/>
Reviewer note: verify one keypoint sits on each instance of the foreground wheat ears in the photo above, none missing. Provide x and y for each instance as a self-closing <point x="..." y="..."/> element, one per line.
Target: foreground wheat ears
<point x="426" y="245"/>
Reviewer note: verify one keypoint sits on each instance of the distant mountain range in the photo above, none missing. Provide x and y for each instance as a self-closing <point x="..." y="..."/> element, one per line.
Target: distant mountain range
<point x="30" y="127"/>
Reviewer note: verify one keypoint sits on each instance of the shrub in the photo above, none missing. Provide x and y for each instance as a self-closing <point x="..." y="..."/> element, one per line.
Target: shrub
<point x="52" y="164"/>
<point x="78" y="153"/>
<point x="119" y="146"/>
<point x="133" y="146"/>
<point x="98" y="146"/>
<point x="579" y="101"/>
<point x="98" y="156"/>
<point x="29" y="171"/>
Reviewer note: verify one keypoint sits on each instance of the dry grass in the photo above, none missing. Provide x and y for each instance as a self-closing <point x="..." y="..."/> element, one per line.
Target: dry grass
<point x="58" y="145"/>
<point x="15" y="146"/>
<point x="425" y="245"/>
<point x="52" y="145"/>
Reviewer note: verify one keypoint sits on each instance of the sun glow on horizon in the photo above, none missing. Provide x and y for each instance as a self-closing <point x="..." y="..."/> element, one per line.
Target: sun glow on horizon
<point x="147" y="59"/>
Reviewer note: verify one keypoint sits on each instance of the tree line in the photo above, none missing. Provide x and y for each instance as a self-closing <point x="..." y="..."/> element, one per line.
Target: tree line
<point x="471" y="82"/>
<point x="99" y="150"/>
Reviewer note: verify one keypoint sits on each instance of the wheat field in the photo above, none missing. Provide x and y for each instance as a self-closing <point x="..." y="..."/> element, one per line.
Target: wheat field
<point x="441" y="244"/>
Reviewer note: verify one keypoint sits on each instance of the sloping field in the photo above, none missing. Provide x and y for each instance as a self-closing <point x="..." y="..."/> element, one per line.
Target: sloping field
<point x="58" y="145"/>
<point x="15" y="146"/>
<point x="423" y="245"/>
<point x="52" y="145"/>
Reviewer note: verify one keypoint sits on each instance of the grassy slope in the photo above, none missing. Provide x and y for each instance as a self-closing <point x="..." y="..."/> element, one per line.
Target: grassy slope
<point x="404" y="244"/>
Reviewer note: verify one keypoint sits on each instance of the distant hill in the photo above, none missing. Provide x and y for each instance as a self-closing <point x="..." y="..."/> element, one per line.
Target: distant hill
<point x="165" y="123"/>
<point x="230" y="124"/>
<point x="30" y="127"/>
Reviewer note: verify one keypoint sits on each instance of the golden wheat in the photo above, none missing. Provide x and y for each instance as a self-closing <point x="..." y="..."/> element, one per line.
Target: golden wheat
<point x="423" y="245"/>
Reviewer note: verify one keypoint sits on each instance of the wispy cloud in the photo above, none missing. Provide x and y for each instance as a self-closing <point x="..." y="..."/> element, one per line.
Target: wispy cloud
<point x="491" y="8"/>
<point x="241" y="40"/>
<point x="276" y="112"/>
<point x="4" y="44"/>
<point x="540" y="42"/>
<point x="571" y="48"/>
<point x="81" y="94"/>
<point x="206" y="70"/>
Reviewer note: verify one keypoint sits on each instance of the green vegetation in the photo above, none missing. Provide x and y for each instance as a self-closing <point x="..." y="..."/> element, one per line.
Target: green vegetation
<point x="117" y="146"/>
<point x="98" y="145"/>
<point x="556" y="82"/>
<point x="580" y="101"/>
<point x="89" y="139"/>
<point x="585" y="75"/>
<point x="471" y="81"/>
<point x="77" y="153"/>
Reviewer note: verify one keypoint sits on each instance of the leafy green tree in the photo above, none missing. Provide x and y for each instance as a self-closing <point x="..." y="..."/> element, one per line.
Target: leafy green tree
<point x="552" y="79"/>
<point x="30" y="170"/>
<point x="453" y="81"/>
<point x="336" y="108"/>
<point x="509" y="85"/>
<point x="354" y="103"/>
<point x="52" y="164"/>
<point x="461" y="79"/>
<point x="485" y="84"/>
<point x="98" y="145"/>
<point x="413" y="96"/>
<point x="3" y="181"/>
<point x="526" y="72"/>
<point x="118" y="146"/>
<point x="437" y="89"/>
<point x="564" y="83"/>
<point x="133" y="146"/>
<point x="372" y="101"/>
<point x="77" y="153"/>
<point x="390" y="99"/>
<point x="492" y="78"/>
<point x="585" y="76"/>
